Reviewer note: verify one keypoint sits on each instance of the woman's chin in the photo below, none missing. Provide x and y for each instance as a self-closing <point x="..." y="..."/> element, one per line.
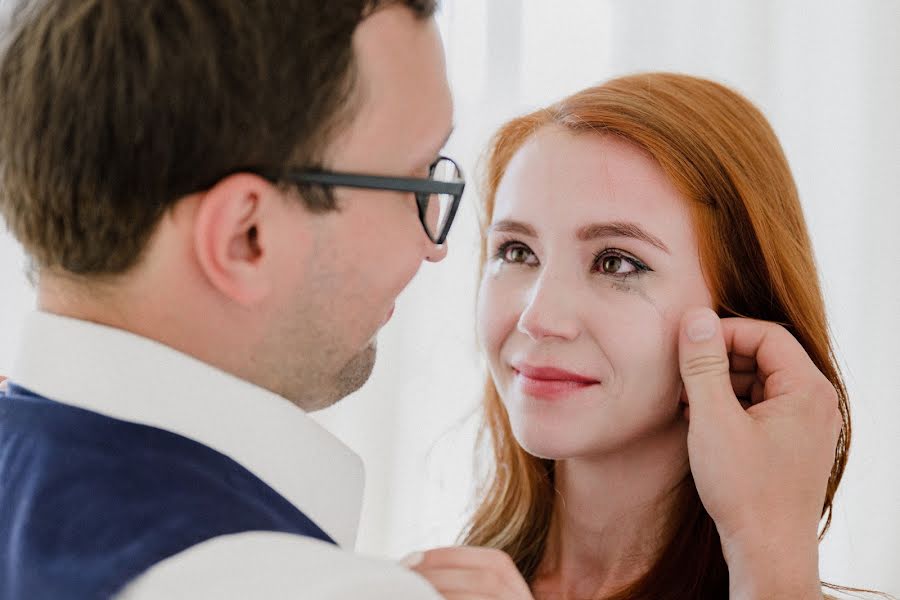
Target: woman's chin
<point x="543" y="443"/>
<point x="555" y="441"/>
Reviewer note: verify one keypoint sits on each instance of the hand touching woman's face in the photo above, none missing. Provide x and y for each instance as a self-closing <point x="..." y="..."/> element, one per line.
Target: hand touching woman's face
<point x="591" y="261"/>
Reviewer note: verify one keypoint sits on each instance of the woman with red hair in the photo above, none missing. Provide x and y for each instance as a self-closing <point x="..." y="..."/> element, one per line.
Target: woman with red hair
<point x="607" y="217"/>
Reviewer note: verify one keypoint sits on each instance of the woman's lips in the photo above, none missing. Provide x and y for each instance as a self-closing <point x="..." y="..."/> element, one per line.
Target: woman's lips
<point x="550" y="383"/>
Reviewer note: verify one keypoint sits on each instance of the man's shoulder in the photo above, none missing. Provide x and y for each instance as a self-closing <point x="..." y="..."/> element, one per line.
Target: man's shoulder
<point x="276" y="565"/>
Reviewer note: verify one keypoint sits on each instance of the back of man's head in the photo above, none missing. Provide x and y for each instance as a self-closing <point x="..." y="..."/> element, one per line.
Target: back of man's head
<point x="111" y="110"/>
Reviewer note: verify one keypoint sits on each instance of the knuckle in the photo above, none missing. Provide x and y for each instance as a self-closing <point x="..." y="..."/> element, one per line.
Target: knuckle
<point x="837" y="424"/>
<point x="487" y="580"/>
<point x="837" y="418"/>
<point x="778" y="329"/>
<point x="708" y="364"/>
<point x="779" y="332"/>
<point x="830" y="393"/>
<point x="501" y="564"/>
<point x="501" y="559"/>
<point x="826" y="405"/>
<point x="826" y="396"/>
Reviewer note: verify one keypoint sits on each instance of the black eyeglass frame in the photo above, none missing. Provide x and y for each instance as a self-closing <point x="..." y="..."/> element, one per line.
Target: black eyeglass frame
<point x="422" y="188"/>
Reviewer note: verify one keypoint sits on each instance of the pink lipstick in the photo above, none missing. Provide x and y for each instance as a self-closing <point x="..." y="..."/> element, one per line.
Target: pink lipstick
<point x="550" y="383"/>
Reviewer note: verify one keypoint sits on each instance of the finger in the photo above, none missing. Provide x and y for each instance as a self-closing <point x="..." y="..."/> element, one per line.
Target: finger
<point x="464" y="581"/>
<point x="742" y="363"/>
<point x="465" y="596"/>
<point x="704" y="366"/>
<point x="757" y="394"/>
<point x="492" y="569"/>
<point x="461" y="557"/>
<point x="780" y="359"/>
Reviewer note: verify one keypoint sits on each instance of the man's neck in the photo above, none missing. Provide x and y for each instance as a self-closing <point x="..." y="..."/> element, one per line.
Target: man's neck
<point x="611" y="516"/>
<point x="96" y="301"/>
<point x="146" y="307"/>
<point x="111" y="302"/>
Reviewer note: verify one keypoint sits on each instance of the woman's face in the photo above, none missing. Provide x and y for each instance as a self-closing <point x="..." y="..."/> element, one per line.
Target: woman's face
<point x="592" y="259"/>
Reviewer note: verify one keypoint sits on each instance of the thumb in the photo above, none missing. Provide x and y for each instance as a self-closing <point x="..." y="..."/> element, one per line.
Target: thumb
<point x="703" y="361"/>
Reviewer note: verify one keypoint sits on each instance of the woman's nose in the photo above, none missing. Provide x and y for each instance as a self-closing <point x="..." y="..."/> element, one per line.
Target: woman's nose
<point x="550" y="311"/>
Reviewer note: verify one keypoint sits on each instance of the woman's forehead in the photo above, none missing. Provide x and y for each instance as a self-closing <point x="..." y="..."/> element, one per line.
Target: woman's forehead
<point x="559" y="178"/>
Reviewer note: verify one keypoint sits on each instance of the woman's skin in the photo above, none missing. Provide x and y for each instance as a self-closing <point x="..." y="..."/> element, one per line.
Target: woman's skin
<point x="593" y="268"/>
<point x="592" y="262"/>
<point x="595" y="286"/>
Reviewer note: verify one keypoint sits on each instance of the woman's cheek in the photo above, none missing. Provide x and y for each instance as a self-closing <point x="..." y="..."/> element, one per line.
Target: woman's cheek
<point x="634" y="334"/>
<point x="664" y="354"/>
<point x="493" y="314"/>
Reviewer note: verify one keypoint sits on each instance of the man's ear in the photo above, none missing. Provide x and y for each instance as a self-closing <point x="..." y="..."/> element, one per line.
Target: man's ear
<point x="233" y="230"/>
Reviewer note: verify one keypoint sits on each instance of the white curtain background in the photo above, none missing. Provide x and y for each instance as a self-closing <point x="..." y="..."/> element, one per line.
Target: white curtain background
<point x="825" y="72"/>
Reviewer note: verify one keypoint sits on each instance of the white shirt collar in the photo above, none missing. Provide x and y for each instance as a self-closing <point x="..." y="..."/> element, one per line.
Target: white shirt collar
<point x="132" y="378"/>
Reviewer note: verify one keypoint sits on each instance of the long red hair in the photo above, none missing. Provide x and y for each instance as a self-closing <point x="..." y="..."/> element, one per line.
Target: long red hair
<point x="725" y="160"/>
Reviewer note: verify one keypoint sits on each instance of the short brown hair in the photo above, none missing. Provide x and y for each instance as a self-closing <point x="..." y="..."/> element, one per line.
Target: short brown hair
<point x="111" y="110"/>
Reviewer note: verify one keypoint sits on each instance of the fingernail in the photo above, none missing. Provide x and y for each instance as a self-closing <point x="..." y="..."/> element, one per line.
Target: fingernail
<point x="701" y="328"/>
<point x="412" y="560"/>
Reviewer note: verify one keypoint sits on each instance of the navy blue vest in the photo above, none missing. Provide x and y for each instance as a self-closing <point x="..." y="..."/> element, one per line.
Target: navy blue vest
<point x="87" y="502"/>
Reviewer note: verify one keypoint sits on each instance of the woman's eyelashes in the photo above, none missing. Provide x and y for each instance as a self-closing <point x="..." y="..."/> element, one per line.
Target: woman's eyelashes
<point x="611" y="261"/>
<point x="513" y="252"/>
<point x="607" y="261"/>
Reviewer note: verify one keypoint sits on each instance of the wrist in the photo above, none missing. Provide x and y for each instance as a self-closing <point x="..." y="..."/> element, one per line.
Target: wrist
<point x="773" y="568"/>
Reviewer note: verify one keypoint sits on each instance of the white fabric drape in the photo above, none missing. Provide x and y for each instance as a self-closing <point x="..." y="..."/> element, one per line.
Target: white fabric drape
<point x="825" y="72"/>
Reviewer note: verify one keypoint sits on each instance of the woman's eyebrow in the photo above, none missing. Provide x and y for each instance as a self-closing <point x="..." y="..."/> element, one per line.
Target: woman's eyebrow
<point x="619" y="229"/>
<point x="509" y="226"/>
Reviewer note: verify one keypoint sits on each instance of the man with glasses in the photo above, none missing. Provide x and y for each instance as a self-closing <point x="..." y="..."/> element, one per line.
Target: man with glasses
<point x="222" y="202"/>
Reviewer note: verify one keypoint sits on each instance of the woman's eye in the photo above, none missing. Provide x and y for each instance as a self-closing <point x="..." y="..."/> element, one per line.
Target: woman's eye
<point x="616" y="264"/>
<point x="613" y="265"/>
<point x="515" y="253"/>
